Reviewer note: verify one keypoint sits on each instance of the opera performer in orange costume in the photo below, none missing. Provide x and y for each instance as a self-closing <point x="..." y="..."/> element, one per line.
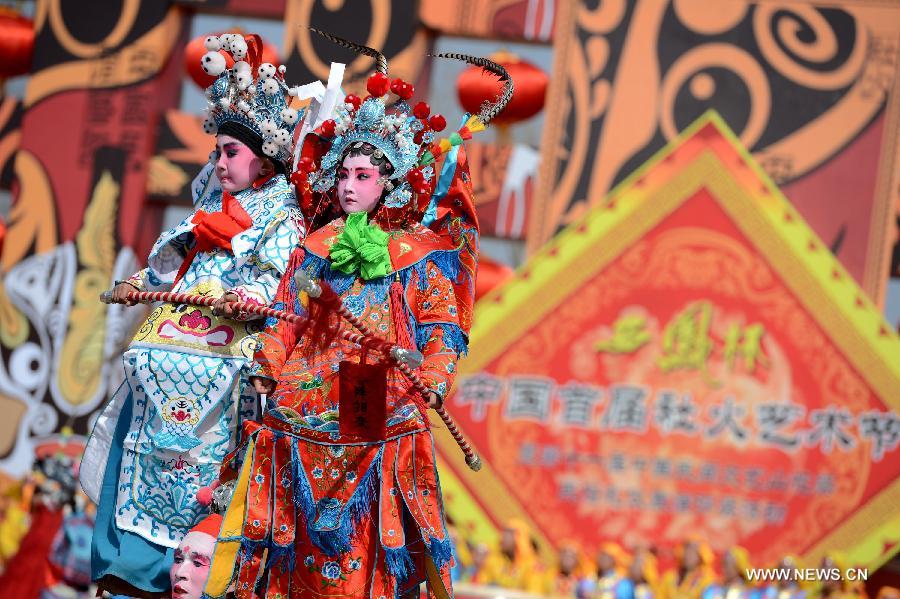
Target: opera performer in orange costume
<point x="336" y="492"/>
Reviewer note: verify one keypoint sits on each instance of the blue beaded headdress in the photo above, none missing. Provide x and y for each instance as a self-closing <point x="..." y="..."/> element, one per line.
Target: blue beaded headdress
<point x="391" y="134"/>
<point x="404" y="136"/>
<point x="251" y="93"/>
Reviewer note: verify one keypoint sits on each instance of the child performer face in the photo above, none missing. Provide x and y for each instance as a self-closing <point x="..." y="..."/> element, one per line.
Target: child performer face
<point x="237" y="166"/>
<point x="191" y="566"/>
<point x="358" y="188"/>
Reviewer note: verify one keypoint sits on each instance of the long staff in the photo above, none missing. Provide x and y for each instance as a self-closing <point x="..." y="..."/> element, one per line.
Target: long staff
<point x="405" y="359"/>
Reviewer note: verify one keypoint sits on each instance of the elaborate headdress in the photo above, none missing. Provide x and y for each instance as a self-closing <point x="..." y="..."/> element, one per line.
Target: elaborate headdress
<point x="404" y="135"/>
<point x="250" y="100"/>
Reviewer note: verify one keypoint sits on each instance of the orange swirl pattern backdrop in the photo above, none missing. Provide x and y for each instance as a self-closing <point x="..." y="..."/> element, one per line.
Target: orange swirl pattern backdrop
<point x="78" y="149"/>
<point x="809" y="88"/>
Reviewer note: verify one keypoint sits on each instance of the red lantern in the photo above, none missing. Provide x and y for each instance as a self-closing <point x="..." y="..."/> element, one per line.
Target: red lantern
<point x="16" y="43"/>
<point x="475" y="86"/>
<point x="196" y="48"/>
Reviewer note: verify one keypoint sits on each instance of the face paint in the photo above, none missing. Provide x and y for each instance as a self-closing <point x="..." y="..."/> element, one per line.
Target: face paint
<point x="191" y="567"/>
<point x="237" y="166"/>
<point x="358" y="188"/>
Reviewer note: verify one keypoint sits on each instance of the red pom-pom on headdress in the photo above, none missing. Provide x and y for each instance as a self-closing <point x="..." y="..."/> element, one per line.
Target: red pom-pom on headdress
<point x="354" y="100"/>
<point x="421" y="111"/>
<point x="378" y="84"/>
<point x="327" y="128"/>
<point x="204" y="495"/>
<point x="438" y="122"/>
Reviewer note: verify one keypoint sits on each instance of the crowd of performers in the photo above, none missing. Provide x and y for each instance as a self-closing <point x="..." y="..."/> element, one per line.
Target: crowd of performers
<point x="612" y="572"/>
<point x="257" y="458"/>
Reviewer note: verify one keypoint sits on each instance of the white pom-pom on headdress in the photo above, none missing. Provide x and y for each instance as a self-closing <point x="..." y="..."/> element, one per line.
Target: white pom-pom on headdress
<point x="242" y="66"/>
<point x="266" y="70"/>
<point x="209" y="126"/>
<point x="289" y="116"/>
<point x="239" y="48"/>
<point x="213" y="64"/>
<point x="281" y="137"/>
<point x="270" y="86"/>
<point x="244" y="79"/>
<point x="212" y="44"/>
<point x="268" y="127"/>
<point x="225" y="41"/>
<point x="282" y="69"/>
<point x="270" y="148"/>
<point x="243" y="106"/>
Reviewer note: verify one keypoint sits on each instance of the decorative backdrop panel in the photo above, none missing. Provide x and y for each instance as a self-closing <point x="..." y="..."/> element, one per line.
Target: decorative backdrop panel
<point x="99" y="84"/>
<point x="810" y="90"/>
<point x="688" y="358"/>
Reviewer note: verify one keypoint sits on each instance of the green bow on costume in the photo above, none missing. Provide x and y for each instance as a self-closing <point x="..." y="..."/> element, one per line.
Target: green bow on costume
<point x="361" y="248"/>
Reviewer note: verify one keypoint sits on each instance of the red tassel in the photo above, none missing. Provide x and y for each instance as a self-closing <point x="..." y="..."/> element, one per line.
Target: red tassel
<point x="403" y="338"/>
<point x="323" y="324"/>
<point x="398" y="316"/>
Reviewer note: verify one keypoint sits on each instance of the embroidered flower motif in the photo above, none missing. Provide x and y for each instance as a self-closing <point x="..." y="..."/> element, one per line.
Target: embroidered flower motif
<point x="409" y="494"/>
<point x="331" y="570"/>
<point x="327" y="462"/>
<point x="350" y="476"/>
<point x="425" y="492"/>
<point x="393" y="491"/>
<point x="309" y="561"/>
<point x="260" y="479"/>
<point x="317" y="472"/>
<point x="355" y="564"/>
<point x="336" y="450"/>
<point x="335" y="473"/>
<point x="391" y="532"/>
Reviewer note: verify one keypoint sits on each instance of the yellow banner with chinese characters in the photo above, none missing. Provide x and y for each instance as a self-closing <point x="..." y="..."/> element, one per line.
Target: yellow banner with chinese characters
<point x="689" y="359"/>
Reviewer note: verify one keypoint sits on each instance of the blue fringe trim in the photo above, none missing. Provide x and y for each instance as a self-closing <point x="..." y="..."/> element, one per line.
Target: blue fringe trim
<point x="249" y="548"/>
<point x="303" y="497"/>
<point x="398" y="561"/>
<point x="446" y="261"/>
<point x="454" y="338"/>
<point x="441" y="551"/>
<point x="336" y="541"/>
<point x="282" y="557"/>
<point x="320" y="268"/>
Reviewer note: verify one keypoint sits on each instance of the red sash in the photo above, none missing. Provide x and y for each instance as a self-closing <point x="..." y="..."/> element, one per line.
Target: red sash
<point x="216" y="229"/>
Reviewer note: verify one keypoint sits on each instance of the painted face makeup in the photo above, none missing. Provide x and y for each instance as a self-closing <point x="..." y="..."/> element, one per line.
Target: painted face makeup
<point x="191" y="567"/>
<point x="237" y="166"/>
<point x="358" y="188"/>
